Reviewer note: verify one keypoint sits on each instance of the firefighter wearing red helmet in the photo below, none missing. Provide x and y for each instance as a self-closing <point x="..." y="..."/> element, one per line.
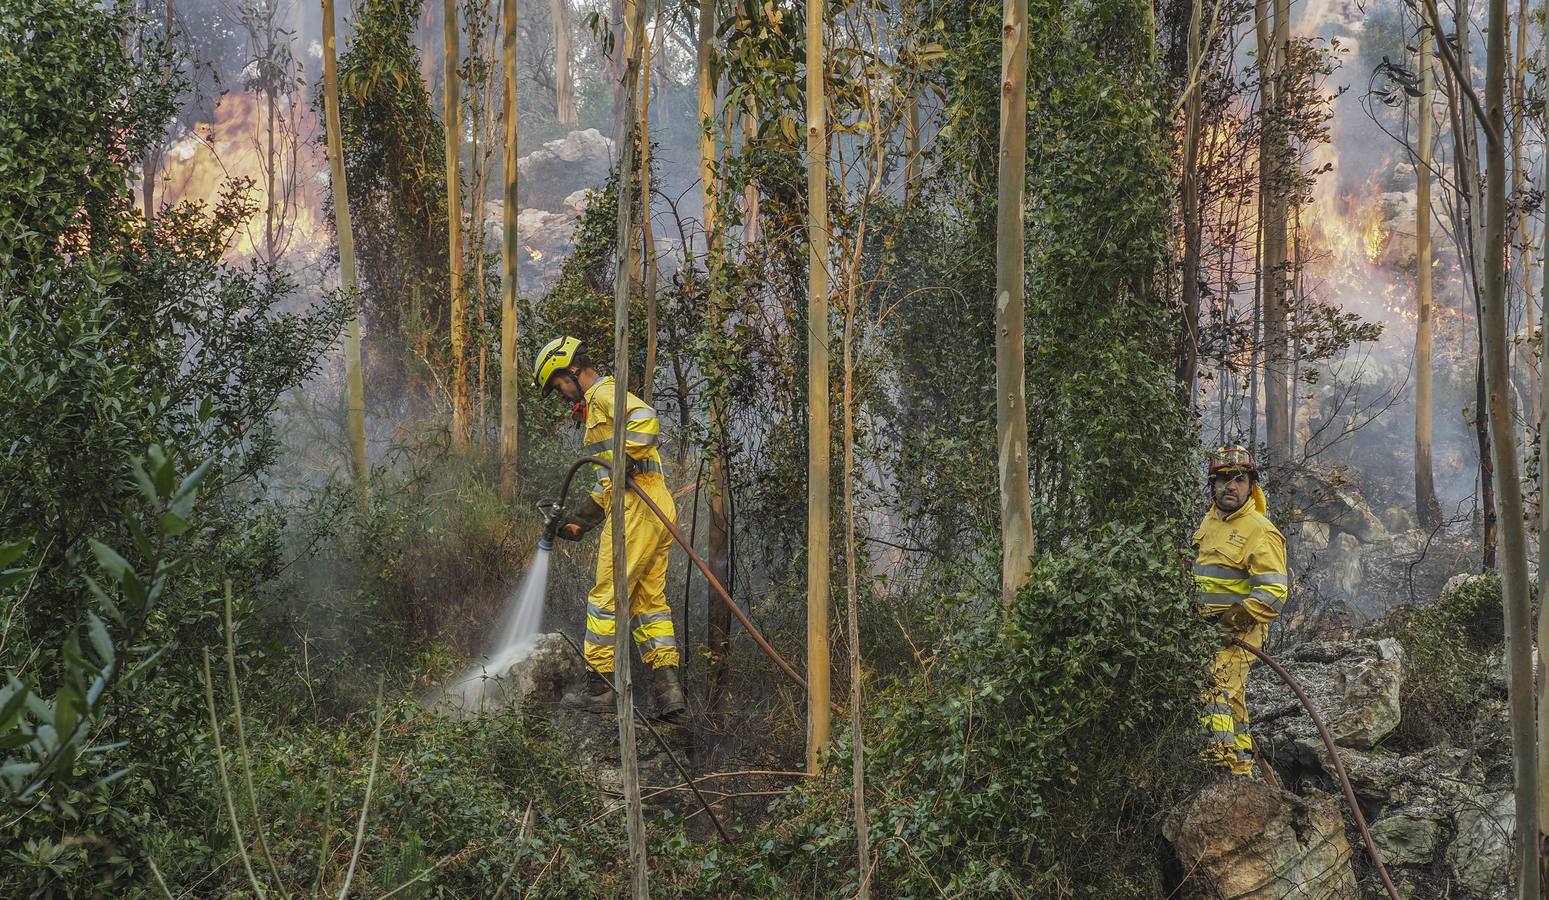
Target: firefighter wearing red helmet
<point x="1241" y="581"/>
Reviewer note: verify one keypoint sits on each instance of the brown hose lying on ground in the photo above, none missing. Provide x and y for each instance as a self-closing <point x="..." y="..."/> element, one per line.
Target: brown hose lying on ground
<point x="720" y="590"/>
<point x="1339" y="765"/>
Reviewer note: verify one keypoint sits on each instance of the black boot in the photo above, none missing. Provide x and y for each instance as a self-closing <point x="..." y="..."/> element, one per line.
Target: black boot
<point x="595" y="694"/>
<point x="667" y="690"/>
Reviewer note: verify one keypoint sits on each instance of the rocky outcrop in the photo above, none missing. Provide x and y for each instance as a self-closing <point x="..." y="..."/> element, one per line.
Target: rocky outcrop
<point x="1245" y="839"/>
<point x="575" y="162"/>
<point x="1354" y="683"/>
<point x="537" y="682"/>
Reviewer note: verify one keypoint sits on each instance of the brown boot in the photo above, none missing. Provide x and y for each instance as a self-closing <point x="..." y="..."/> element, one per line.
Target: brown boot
<point x="595" y="694"/>
<point x="667" y="690"/>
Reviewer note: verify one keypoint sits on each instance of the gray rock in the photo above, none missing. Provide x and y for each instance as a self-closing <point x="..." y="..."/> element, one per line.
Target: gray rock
<point x="1480" y="855"/>
<point x="1353" y="684"/>
<point x="1342" y="507"/>
<point x="1342" y="566"/>
<point x="1399" y="519"/>
<point x="1245" y="839"/>
<point x="554" y="172"/>
<point x="1309" y="536"/>
<point x="536" y="681"/>
<point x="1408" y="837"/>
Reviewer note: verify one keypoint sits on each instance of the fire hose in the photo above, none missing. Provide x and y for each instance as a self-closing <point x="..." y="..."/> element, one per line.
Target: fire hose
<point x="720" y="590"/>
<point x="1339" y="765"/>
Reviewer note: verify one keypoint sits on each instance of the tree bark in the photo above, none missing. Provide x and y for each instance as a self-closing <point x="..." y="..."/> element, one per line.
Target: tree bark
<point x="564" y="87"/>
<point x="1543" y="537"/>
<point x="354" y="382"/>
<point x="819" y="436"/>
<point x="852" y="605"/>
<point x="510" y="259"/>
<point x="1274" y="181"/>
<point x="1016" y="516"/>
<point x="451" y="117"/>
<point x="718" y="548"/>
<point x="1188" y="360"/>
<point x="647" y="236"/>
<point x="623" y="683"/>
<point x="1514" y="589"/>
<point x="1427" y="509"/>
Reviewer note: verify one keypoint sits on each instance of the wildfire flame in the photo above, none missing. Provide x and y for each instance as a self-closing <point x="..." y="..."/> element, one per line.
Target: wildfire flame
<point x="209" y="156"/>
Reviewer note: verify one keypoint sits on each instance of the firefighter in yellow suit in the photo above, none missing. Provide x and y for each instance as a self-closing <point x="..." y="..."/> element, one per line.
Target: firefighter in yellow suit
<point x="1240" y="581"/>
<point x="563" y="365"/>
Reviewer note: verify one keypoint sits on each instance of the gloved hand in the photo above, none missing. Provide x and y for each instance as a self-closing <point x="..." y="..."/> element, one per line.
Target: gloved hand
<point x="583" y="518"/>
<point x="632" y="466"/>
<point x="1238" y="619"/>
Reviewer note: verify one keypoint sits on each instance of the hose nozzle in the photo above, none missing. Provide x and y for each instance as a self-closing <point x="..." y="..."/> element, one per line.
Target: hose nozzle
<point x="552" y="513"/>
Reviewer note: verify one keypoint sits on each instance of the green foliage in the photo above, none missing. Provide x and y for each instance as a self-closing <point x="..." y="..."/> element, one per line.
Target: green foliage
<point x="1447" y="646"/>
<point x="395" y="165"/>
<point x="1035" y="757"/>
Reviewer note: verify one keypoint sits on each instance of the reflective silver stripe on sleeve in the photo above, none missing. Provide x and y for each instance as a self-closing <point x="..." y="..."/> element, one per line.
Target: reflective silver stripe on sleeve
<point x="1269" y="578"/>
<point x="593" y="448"/>
<point x="1220" y="572"/>
<point x="644" y="412"/>
<point x="641" y="437"/>
<point x="1269" y="599"/>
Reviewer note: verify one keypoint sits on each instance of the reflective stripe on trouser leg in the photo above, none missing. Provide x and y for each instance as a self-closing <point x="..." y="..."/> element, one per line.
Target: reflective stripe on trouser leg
<point x="1225" y="722"/>
<point x="650" y="616"/>
<point x="647" y="543"/>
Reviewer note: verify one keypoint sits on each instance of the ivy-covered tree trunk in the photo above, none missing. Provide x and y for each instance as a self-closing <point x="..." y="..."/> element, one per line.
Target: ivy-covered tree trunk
<point x="1016" y="515"/>
<point x="451" y="116"/>
<point x="1514" y="588"/>
<point x="510" y="258"/>
<point x="819" y="437"/>
<point x="1427" y="509"/>
<point x="353" y="379"/>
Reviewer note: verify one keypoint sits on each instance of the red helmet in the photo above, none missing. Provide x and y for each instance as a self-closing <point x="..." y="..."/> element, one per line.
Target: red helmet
<point x="1231" y="460"/>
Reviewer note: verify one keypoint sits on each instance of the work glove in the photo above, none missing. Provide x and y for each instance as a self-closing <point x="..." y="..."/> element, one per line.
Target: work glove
<point x="1238" y="619"/>
<point x="632" y="466"/>
<point x="577" y="522"/>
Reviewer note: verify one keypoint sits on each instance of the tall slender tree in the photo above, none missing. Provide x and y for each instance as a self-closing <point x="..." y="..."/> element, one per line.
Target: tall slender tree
<point x="1016" y="514"/>
<point x="718" y="625"/>
<point x="1274" y="182"/>
<point x="639" y="881"/>
<point x="1543" y="522"/>
<point x="564" y="86"/>
<point x="648" y="272"/>
<point x="510" y="257"/>
<point x="1427" y="509"/>
<point x="1188" y="360"/>
<point x="451" y="117"/>
<point x="1514" y="588"/>
<point x="819" y="433"/>
<point x="354" y="382"/>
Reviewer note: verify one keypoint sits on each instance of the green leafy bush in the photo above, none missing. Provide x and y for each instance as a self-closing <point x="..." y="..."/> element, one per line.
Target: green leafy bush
<point x="1447" y="646"/>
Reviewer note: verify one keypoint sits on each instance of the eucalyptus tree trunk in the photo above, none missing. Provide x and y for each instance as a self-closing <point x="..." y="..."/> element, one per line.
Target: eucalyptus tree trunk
<point x="647" y="237"/>
<point x="852" y="600"/>
<point x="1189" y="356"/>
<point x="1522" y="266"/>
<point x="564" y="87"/>
<point x="749" y="132"/>
<point x="1427" y="510"/>
<point x="1016" y="515"/>
<point x="912" y="141"/>
<point x="718" y="624"/>
<point x="355" y="391"/>
<point x="451" y="117"/>
<point x="639" y="885"/>
<point x="510" y="258"/>
<point x="1514" y="587"/>
<point x="1543" y="533"/>
<point x="819" y="434"/>
<point x="1274" y="162"/>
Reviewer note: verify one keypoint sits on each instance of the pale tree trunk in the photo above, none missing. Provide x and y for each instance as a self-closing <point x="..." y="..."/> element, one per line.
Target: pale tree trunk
<point x="639" y="887"/>
<point x="1427" y="510"/>
<point x="1522" y="266"/>
<point x="451" y="118"/>
<point x="911" y="113"/>
<point x="510" y="259"/>
<point x="1016" y="515"/>
<point x="1274" y="178"/>
<point x="819" y="433"/>
<point x="718" y="624"/>
<point x="1189" y="357"/>
<point x="852" y="598"/>
<point x="647" y="236"/>
<point x="564" y="88"/>
<point x="749" y="132"/>
<point x="1543" y="534"/>
<point x="1514" y="587"/>
<point x="153" y="157"/>
<point x="354" y="382"/>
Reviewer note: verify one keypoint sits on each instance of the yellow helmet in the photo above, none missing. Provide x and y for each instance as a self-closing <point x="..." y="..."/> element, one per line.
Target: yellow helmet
<point x="556" y="355"/>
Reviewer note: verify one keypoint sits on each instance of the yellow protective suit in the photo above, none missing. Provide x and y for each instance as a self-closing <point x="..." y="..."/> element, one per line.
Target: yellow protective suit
<point x="647" y="540"/>
<point x="1241" y="582"/>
